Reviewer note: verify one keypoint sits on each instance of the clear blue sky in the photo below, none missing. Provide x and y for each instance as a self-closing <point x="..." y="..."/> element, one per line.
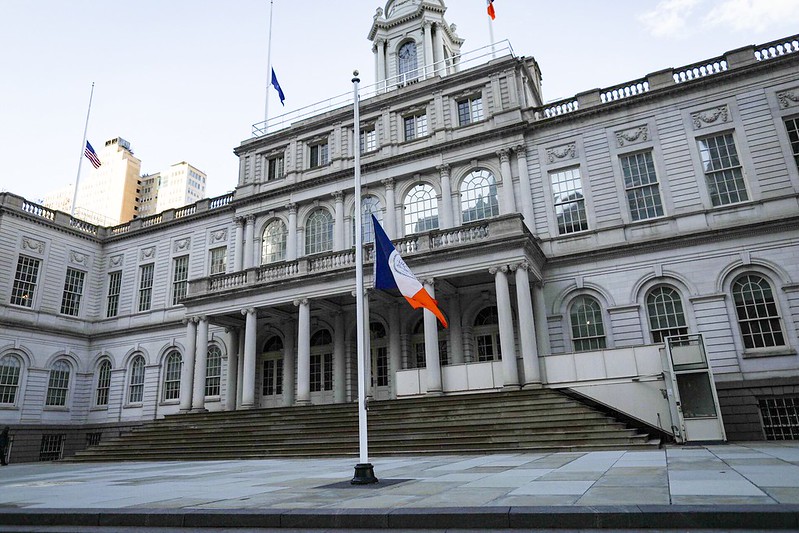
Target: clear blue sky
<point x="185" y="79"/>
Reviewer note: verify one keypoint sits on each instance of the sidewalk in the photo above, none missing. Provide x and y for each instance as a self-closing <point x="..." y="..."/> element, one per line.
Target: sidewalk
<point x="749" y="484"/>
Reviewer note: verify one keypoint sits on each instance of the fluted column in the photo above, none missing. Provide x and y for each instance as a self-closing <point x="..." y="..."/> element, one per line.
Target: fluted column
<point x="232" y="370"/>
<point x="338" y="221"/>
<point x="303" y="352"/>
<point x="339" y="359"/>
<point x="390" y="220"/>
<point x="187" y="372"/>
<point x="431" y="355"/>
<point x="394" y="347"/>
<point x="541" y="325"/>
<point x="526" y="196"/>
<point x="445" y="213"/>
<point x="248" y="375"/>
<point x="455" y="330"/>
<point x="508" y="204"/>
<point x="238" y="254"/>
<point x="528" y="344"/>
<point x="289" y="362"/>
<point x="291" y="238"/>
<point x="427" y="27"/>
<point x="200" y="364"/>
<point x="249" y="238"/>
<point x="510" y="371"/>
<point x="380" y="44"/>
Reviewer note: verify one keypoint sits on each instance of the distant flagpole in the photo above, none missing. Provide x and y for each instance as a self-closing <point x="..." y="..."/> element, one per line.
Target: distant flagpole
<point x="268" y="67"/>
<point x="82" y="153"/>
<point x="491" y="16"/>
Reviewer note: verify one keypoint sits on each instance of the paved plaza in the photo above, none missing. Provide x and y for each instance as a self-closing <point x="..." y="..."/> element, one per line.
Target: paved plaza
<point x="755" y="476"/>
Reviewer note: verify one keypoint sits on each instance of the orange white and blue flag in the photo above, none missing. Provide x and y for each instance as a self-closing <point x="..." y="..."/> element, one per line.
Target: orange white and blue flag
<point x="491" y="12"/>
<point x="391" y="272"/>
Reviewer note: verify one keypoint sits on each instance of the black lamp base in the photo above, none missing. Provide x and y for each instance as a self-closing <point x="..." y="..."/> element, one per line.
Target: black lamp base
<point x="364" y="474"/>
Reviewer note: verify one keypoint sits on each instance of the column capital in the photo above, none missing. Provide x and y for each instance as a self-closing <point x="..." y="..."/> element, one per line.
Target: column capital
<point x="429" y="281"/>
<point x="427" y="24"/>
<point x="388" y="183"/>
<point x="338" y="196"/>
<point x="239" y="220"/>
<point x="300" y="301"/>
<point x="201" y="318"/>
<point x="504" y="155"/>
<point x="292" y="207"/>
<point x="248" y="311"/>
<point x="524" y="265"/>
<point x="380" y="42"/>
<point x="443" y="170"/>
<point x="521" y="150"/>
<point x="250" y="219"/>
<point x="502" y="268"/>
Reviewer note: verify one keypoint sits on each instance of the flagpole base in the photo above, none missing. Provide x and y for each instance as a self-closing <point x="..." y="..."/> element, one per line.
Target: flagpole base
<point x="364" y="474"/>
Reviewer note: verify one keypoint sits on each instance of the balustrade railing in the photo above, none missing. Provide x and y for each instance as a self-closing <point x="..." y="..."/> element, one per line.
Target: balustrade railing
<point x="459" y="236"/>
<point x="777" y="48"/>
<point x="186" y="211"/>
<point x="703" y="69"/>
<point x="82" y="225"/>
<point x="38" y="210"/>
<point x="624" y="90"/>
<point x="221" y="201"/>
<point x="276" y="272"/>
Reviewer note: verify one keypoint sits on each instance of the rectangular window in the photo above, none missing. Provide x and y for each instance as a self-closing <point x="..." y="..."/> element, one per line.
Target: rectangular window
<point x="470" y="110"/>
<point x="780" y="417"/>
<point x="146" y="286"/>
<point x="25" y="281"/>
<point x="103" y="384"/>
<point x="114" y="287"/>
<point x="58" y="386"/>
<point x="52" y="447"/>
<point x="73" y="290"/>
<point x="180" y="276"/>
<point x="723" y="172"/>
<point x="274" y="168"/>
<point x="273" y="377"/>
<point x="321" y="372"/>
<point x="415" y="126"/>
<point x="792" y="125"/>
<point x="368" y="139"/>
<point x="218" y="260"/>
<point x="567" y="191"/>
<point x="319" y="155"/>
<point x="93" y="439"/>
<point x="641" y="186"/>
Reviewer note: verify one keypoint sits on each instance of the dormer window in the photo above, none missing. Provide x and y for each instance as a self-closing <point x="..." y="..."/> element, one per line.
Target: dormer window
<point x="274" y="167"/>
<point x="318" y="154"/>
<point x="368" y="139"/>
<point x="470" y="110"/>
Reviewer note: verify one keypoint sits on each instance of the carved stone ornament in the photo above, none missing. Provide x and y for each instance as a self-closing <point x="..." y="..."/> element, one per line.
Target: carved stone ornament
<point x="115" y="260"/>
<point x="182" y="244"/>
<point x="632" y="136"/>
<point x="789" y="98"/>
<point x="566" y="151"/>
<point x="720" y="115"/>
<point x="32" y="245"/>
<point x="147" y="253"/>
<point x="78" y="258"/>
<point x="219" y="235"/>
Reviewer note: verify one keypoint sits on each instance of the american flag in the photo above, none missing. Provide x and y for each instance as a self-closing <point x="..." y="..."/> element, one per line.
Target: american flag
<point x="92" y="155"/>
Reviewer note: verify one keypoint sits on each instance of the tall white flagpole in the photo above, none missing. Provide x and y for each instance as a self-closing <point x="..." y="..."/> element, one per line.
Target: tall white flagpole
<point x="491" y="36"/>
<point x="268" y="67"/>
<point x="364" y="472"/>
<point x="82" y="152"/>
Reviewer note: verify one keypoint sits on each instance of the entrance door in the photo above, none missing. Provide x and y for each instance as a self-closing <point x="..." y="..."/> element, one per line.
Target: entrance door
<point x="272" y="373"/>
<point x="378" y="343"/>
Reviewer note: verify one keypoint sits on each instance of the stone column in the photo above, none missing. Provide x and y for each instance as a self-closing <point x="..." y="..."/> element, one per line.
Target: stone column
<point x="438" y="55"/>
<point x="541" y="325"/>
<point x="289" y="362"/>
<point x="291" y="238"/>
<point x="380" y="45"/>
<point x="394" y="347"/>
<point x="240" y="371"/>
<point x="248" y="374"/>
<point x="339" y="359"/>
<point x="526" y="195"/>
<point x="390" y="220"/>
<point x="232" y="370"/>
<point x="427" y="28"/>
<point x="249" y="245"/>
<point x="445" y="213"/>
<point x="529" y="347"/>
<point x="187" y="372"/>
<point x="200" y="363"/>
<point x="455" y="330"/>
<point x="303" y="352"/>
<point x="338" y="221"/>
<point x="508" y="204"/>
<point x="238" y="255"/>
<point x="510" y="371"/>
<point x="431" y="355"/>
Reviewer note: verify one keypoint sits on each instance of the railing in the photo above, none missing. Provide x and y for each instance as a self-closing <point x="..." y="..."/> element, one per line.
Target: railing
<point x="459" y="236"/>
<point x="700" y="70"/>
<point x="276" y="272"/>
<point x="151" y="221"/>
<point x="38" y="210"/>
<point x="624" y="90"/>
<point x="82" y="225"/>
<point x="227" y="281"/>
<point x="332" y="261"/>
<point x="221" y="201"/>
<point x="560" y="107"/>
<point x="777" y="48"/>
<point x="186" y="211"/>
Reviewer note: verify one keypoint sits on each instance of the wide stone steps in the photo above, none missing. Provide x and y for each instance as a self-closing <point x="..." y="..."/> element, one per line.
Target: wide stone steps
<point x="538" y="420"/>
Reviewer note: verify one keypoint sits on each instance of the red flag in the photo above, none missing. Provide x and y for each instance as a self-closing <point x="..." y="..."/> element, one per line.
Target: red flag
<point x="491" y="12"/>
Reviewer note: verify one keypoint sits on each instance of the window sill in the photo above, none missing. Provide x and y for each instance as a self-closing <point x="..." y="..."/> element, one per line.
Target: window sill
<point x="9" y="407"/>
<point x="212" y="399"/>
<point x="99" y="408"/>
<point x="56" y="408"/>
<point x="136" y="405"/>
<point x="768" y="352"/>
<point x="169" y="402"/>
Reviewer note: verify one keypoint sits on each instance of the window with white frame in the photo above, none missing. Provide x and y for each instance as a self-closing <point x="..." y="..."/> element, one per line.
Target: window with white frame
<point x="52" y="447"/>
<point x="757" y="312"/>
<point x="792" y="125"/>
<point x="180" y="277"/>
<point x="470" y="110"/>
<point x="58" y="384"/>
<point x="319" y="232"/>
<point x="274" y="167"/>
<point x="418" y="358"/>
<point x="273" y="247"/>
<point x="73" y="290"/>
<point x="486" y="335"/>
<point x="421" y="209"/>
<point x="665" y="312"/>
<point x="25" y="280"/>
<point x="272" y="382"/>
<point x="173" y="364"/>
<point x="318" y="154"/>
<point x="101" y="394"/>
<point x="217" y="260"/>
<point x="408" y="70"/>
<point x="479" y="196"/>
<point x="370" y="205"/>
<point x="415" y="126"/>
<point x="641" y="186"/>
<point x="10" y="368"/>
<point x="146" y="286"/>
<point x="213" y="371"/>
<point x="368" y="140"/>
<point x="114" y="288"/>
<point x="321" y="361"/>
<point x="722" y="167"/>
<point x="379" y="356"/>
<point x="588" y="329"/>
<point x="136" y="382"/>
<point x="568" y="199"/>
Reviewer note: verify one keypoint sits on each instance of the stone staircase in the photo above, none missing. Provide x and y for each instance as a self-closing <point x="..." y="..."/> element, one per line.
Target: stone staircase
<point x="521" y="421"/>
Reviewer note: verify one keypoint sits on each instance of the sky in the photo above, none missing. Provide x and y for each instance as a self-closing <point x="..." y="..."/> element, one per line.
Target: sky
<point x="184" y="80"/>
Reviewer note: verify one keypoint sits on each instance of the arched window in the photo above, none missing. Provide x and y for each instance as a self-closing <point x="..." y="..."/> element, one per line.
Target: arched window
<point x="758" y="316"/>
<point x="321" y="361"/>
<point x="103" y="383"/>
<point x="370" y="205"/>
<point x="9" y="379"/>
<point x="136" y="385"/>
<point x="273" y="244"/>
<point x="407" y="62"/>
<point x="479" y="196"/>
<point x="213" y="371"/>
<point x="319" y="232"/>
<point x="486" y="335"/>
<point x="58" y="384"/>
<point x="666" y="316"/>
<point x="421" y="209"/>
<point x="588" y="331"/>
<point x="417" y="358"/>
<point x="273" y="367"/>
<point x="173" y="364"/>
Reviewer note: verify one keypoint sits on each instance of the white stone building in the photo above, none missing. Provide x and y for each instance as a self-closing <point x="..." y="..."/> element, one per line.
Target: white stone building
<point x="564" y="243"/>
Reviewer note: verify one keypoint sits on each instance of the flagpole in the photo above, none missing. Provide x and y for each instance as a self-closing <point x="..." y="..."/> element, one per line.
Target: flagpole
<point x="491" y="36"/>
<point x="82" y="151"/>
<point x="268" y="68"/>
<point x="364" y="472"/>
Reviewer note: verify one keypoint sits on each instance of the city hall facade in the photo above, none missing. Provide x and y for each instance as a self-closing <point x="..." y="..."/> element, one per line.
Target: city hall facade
<point x="561" y="240"/>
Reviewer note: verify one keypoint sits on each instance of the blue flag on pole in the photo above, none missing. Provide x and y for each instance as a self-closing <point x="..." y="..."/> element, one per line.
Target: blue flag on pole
<point x="276" y="85"/>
